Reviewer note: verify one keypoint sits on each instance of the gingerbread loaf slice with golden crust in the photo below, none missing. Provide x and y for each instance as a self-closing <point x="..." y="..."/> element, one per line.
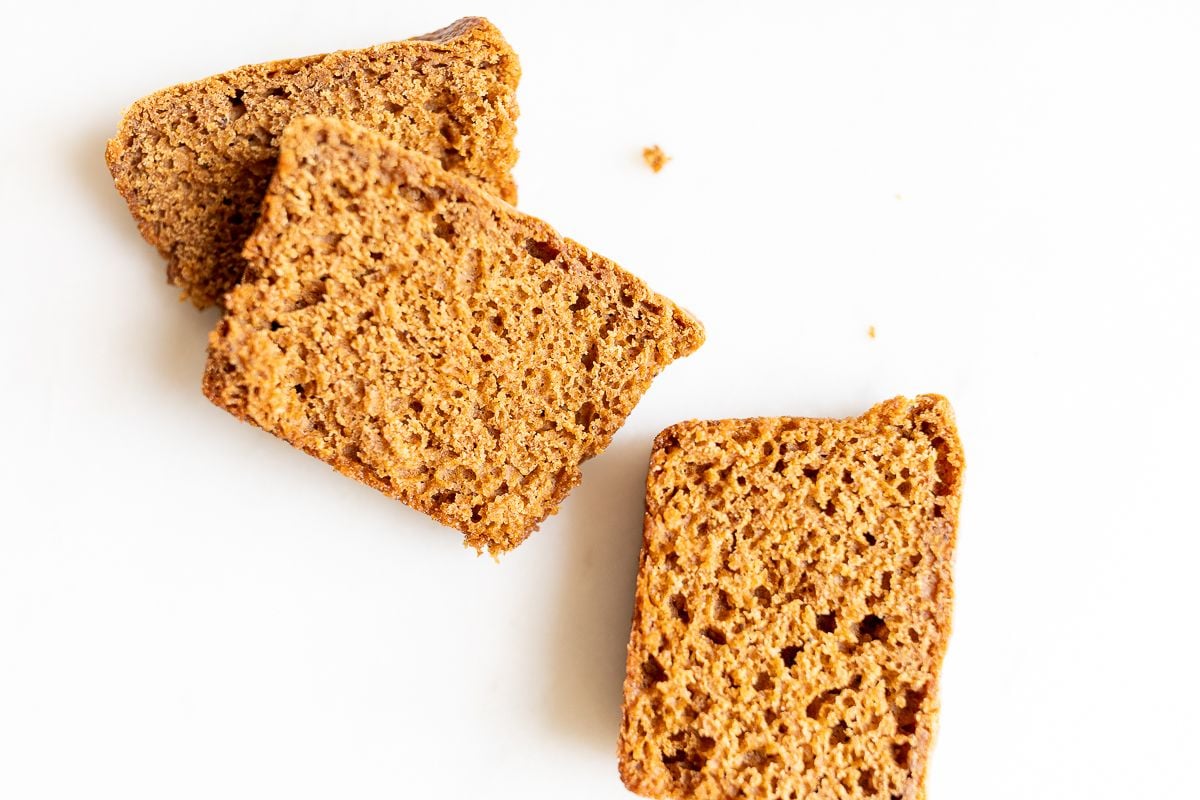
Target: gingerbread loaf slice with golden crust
<point x="793" y="605"/>
<point x="428" y="339"/>
<point x="193" y="161"/>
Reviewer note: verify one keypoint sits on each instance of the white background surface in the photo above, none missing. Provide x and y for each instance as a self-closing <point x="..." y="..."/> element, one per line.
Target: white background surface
<point x="1009" y="193"/>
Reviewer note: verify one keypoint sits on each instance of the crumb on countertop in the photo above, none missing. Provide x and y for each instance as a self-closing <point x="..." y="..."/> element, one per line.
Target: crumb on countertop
<point x="655" y="158"/>
<point x="871" y="331"/>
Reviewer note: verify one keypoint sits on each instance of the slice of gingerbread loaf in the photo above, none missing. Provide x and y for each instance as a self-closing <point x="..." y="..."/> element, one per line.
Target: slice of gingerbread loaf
<point x="193" y="161"/>
<point x="793" y="605"/>
<point x="426" y="338"/>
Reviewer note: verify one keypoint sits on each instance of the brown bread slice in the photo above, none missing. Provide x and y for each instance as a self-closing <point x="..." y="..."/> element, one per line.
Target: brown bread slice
<point x="428" y="339"/>
<point x="193" y="161"/>
<point x="793" y="605"/>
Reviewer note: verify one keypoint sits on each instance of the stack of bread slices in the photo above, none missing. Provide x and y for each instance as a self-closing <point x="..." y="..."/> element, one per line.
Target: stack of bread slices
<point x="386" y="309"/>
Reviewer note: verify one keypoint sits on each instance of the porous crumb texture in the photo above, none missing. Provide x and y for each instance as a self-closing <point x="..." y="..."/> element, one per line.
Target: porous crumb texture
<point x="793" y="605"/>
<point x="194" y="161"/>
<point x="428" y="339"/>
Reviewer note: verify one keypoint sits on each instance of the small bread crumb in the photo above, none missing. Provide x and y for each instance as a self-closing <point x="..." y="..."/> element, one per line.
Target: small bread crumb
<point x="655" y="158"/>
<point x="871" y="331"/>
